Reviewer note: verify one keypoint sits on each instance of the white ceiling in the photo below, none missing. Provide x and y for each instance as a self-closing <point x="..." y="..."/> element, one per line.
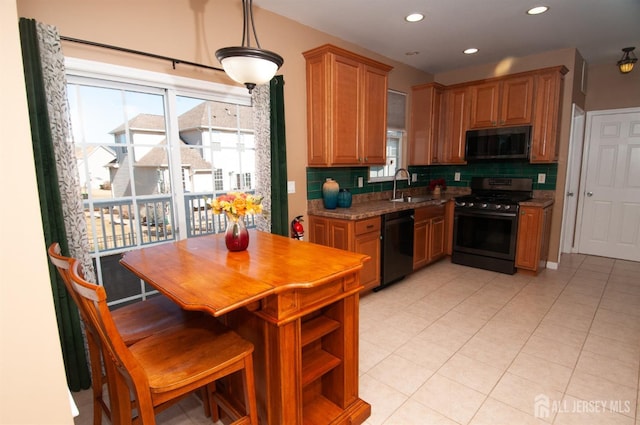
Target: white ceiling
<point x="599" y="29"/>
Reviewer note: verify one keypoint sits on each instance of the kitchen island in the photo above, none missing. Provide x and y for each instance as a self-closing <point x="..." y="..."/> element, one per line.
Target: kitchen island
<point x="297" y="302"/>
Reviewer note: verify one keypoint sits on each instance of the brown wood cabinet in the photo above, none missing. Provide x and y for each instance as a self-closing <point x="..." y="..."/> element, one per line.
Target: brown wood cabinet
<point x="547" y="115"/>
<point x="361" y="236"/>
<point x="456" y="124"/>
<point x="503" y="102"/>
<point x="439" y="122"/>
<point x="346" y="108"/>
<point x="448" y="220"/>
<point x="426" y="133"/>
<point x="429" y="231"/>
<point x="532" y="247"/>
<point x="441" y="115"/>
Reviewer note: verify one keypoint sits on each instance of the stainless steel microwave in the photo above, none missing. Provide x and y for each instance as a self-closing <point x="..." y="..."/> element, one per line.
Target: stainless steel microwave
<point x="498" y="143"/>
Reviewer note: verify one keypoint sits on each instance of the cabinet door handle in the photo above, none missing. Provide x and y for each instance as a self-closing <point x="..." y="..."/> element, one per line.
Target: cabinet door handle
<point x="589" y="194"/>
<point x="370" y="226"/>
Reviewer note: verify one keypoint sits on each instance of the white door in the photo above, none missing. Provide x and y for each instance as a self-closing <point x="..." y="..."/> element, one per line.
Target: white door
<point x="610" y="195"/>
<point x="576" y="141"/>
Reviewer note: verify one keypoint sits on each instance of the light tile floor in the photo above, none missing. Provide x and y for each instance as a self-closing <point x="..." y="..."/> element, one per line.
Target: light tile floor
<point x="457" y="345"/>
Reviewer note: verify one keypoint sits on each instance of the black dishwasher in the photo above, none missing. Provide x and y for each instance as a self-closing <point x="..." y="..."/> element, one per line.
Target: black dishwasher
<point x="397" y="247"/>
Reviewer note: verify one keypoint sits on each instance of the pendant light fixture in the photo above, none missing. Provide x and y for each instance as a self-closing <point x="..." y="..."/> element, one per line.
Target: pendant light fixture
<point x="249" y="65"/>
<point x="625" y="64"/>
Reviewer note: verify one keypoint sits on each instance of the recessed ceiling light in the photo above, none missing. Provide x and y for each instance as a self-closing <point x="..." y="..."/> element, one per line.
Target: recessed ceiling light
<point x="537" y="10"/>
<point x="414" y="17"/>
<point x="413" y="53"/>
<point x="470" y="51"/>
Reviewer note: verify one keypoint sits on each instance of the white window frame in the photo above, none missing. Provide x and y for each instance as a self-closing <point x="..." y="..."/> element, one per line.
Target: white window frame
<point x="81" y="71"/>
<point x="402" y="147"/>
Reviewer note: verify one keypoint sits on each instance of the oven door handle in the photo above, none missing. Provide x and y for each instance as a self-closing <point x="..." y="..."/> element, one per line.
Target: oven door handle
<point x="476" y="213"/>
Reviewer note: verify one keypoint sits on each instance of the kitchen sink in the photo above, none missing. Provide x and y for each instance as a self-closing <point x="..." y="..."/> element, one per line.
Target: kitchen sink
<point x="413" y="199"/>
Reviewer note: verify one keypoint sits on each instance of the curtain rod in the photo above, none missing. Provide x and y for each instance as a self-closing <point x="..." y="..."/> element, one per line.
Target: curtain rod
<point x="174" y="61"/>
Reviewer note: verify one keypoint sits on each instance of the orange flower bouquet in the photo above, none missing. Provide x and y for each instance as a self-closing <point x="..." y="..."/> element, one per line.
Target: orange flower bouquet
<point x="236" y="205"/>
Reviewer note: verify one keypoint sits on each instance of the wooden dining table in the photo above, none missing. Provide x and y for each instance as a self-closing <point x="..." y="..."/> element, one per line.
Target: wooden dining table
<point x="297" y="302"/>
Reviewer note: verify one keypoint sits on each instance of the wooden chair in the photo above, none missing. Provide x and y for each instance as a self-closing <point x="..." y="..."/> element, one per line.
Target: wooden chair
<point x="169" y="364"/>
<point x="134" y="322"/>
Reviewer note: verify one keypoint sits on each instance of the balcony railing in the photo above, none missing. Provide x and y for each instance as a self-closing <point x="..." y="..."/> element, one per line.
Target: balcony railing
<point x="117" y="224"/>
<point x="202" y="221"/>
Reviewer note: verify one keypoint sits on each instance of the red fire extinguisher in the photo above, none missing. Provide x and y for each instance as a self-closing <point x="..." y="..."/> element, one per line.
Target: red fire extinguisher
<point x="297" y="231"/>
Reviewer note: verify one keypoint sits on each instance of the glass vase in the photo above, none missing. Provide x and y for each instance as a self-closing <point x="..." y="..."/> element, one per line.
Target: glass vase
<point x="236" y="236"/>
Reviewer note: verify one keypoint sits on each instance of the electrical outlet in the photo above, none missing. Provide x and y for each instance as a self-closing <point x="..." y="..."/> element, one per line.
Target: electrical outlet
<point x="360" y="181"/>
<point x="291" y="187"/>
<point x="414" y="177"/>
<point x="456" y="176"/>
<point x="542" y="177"/>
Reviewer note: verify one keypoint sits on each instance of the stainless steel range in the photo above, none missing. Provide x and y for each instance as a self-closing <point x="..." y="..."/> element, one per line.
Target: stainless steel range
<point x="486" y="223"/>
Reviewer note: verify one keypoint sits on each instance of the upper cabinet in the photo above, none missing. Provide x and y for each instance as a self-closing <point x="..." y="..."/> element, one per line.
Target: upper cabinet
<point x="346" y="108"/>
<point x="441" y="115"/>
<point x="547" y="115"/>
<point x="502" y="102"/>
<point x="426" y="115"/>
<point x="456" y="123"/>
<point x="439" y="121"/>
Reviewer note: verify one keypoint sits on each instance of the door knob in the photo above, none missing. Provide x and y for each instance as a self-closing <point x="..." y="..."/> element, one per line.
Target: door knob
<point x="569" y="193"/>
<point x="589" y="194"/>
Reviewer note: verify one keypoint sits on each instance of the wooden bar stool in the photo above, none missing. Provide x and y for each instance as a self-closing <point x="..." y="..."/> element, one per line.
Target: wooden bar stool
<point x="167" y="365"/>
<point x="134" y="322"/>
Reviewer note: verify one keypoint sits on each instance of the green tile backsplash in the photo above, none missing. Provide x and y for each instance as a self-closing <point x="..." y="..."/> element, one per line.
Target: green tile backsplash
<point x="347" y="177"/>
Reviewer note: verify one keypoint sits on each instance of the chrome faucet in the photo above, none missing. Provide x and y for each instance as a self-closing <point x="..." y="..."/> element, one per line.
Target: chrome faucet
<point x="395" y="178"/>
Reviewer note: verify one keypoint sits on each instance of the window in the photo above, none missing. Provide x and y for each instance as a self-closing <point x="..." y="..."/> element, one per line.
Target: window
<point x="149" y="154"/>
<point x="394" y="150"/>
<point x="218" y="185"/>
<point x="396" y="106"/>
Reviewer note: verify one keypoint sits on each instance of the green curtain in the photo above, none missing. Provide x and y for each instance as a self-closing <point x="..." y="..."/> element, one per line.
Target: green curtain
<point x="69" y="328"/>
<point x="279" y="194"/>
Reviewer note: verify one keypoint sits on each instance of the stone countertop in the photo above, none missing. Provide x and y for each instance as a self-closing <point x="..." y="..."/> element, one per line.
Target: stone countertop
<point x="373" y="208"/>
<point x="537" y="202"/>
<point x="361" y="210"/>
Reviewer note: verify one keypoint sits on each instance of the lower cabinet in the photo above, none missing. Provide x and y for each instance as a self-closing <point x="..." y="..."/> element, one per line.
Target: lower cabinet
<point x="532" y="248"/>
<point x="361" y="236"/>
<point x="429" y="231"/>
<point x="449" y="208"/>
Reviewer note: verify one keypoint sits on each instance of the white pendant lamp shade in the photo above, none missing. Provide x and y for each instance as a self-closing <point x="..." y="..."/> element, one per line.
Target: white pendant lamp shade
<point x="249" y="65"/>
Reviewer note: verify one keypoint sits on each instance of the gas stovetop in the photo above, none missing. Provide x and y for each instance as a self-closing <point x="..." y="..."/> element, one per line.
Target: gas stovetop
<point x="496" y="194"/>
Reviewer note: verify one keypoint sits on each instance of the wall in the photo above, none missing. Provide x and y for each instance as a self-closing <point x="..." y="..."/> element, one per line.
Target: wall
<point x="193" y="30"/>
<point x="607" y="88"/>
<point x="31" y="368"/>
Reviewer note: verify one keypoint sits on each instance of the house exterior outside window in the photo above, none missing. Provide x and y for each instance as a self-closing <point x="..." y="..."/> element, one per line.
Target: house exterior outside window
<point x="149" y="155"/>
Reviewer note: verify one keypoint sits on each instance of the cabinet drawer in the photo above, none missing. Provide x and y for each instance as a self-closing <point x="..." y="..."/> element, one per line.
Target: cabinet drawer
<point x="425" y="213"/>
<point x="367" y="225"/>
